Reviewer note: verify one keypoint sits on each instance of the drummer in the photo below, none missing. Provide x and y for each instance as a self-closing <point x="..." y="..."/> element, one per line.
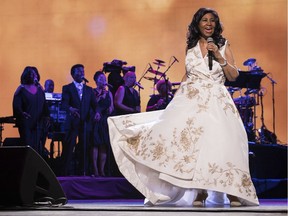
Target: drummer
<point x="161" y="100"/>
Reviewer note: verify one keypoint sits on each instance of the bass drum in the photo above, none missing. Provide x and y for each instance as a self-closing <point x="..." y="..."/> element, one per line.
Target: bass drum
<point x="245" y="109"/>
<point x="246" y="115"/>
<point x="244" y="101"/>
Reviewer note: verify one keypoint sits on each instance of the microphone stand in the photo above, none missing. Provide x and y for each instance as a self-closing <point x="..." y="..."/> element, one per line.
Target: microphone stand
<point x="143" y="75"/>
<point x="155" y="79"/>
<point x="37" y="123"/>
<point x="263" y="127"/>
<point x="84" y="132"/>
<point x="167" y="92"/>
<point x="38" y="140"/>
<point x="273" y="82"/>
<point x="254" y="114"/>
<point x="164" y="74"/>
<point x="141" y="79"/>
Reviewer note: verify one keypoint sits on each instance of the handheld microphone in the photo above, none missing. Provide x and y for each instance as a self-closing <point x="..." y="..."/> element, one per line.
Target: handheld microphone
<point x="139" y="85"/>
<point x="84" y="79"/>
<point x="210" y="54"/>
<point x="36" y="82"/>
<point x="175" y="58"/>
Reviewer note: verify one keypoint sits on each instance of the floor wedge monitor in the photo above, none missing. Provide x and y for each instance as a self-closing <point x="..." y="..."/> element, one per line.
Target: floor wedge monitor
<point x="26" y="179"/>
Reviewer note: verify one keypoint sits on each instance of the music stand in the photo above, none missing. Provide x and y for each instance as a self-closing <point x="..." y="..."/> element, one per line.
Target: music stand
<point x="247" y="79"/>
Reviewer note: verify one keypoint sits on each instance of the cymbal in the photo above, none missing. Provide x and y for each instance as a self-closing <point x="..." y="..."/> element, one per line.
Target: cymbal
<point x="233" y="89"/>
<point x="149" y="78"/>
<point x="155" y="72"/>
<point x="159" y="61"/>
<point x="159" y="64"/>
<point x="251" y="91"/>
<point x="249" y="62"/>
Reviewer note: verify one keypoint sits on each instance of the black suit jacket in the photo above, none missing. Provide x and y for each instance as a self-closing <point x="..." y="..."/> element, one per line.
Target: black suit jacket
<point x="86" y="106"/>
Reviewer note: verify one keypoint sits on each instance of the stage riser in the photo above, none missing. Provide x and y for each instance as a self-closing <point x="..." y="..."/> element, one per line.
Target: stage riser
<point x="90" y="188"/>
<point x="268" y="167"/>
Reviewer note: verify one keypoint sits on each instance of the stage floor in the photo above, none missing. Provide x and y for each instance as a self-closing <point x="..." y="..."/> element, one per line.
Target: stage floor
<point x="267" y="207"/>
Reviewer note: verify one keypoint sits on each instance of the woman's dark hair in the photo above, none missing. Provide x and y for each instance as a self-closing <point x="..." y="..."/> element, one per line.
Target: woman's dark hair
<point x="193" y="34"/>
<point x="26" y="75"/>
<point x="97" y="74"/>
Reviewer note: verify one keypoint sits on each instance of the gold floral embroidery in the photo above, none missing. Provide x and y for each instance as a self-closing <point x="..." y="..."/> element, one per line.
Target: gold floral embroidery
<point x="227" y="105"/>
<point x="246" y="186"/>
<point x="179" y="158"/>
<point x="134" y="141"/>
<point x="192" y="92"/>
<point x="189" y="135"/>
<point x="127" y="122"/>
<point x="226" y="177"/>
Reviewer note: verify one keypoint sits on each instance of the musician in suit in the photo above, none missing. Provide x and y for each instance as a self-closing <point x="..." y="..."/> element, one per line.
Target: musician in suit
<point x="79" y="102"/>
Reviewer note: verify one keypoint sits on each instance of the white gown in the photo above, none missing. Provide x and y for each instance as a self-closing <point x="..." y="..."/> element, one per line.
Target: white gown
<point x="197" y="142"/>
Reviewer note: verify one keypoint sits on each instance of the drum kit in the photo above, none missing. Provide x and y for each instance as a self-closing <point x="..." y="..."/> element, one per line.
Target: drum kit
<point x="159" y="63"/>
<point x="253" y="96"/>
<point x="246" y="106"/>
<point x="159" y="75"/>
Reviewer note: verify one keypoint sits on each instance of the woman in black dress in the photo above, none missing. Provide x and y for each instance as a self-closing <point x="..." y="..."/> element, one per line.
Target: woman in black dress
<point x="30" y="110"/>
<point x="100" y="129"/>
<point x="127" y="99"/>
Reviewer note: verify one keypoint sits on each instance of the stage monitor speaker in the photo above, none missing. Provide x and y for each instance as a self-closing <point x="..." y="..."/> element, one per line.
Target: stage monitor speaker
<point x="26" y="179"/>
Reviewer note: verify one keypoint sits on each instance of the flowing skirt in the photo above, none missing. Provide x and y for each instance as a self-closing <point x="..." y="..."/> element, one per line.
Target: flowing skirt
<point x="197" y="142"/>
